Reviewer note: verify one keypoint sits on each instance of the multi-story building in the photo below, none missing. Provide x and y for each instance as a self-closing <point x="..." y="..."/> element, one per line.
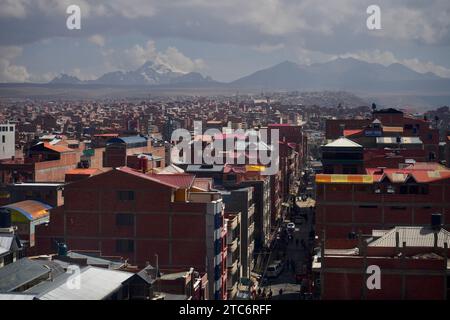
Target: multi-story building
<point x="7" y="141"/>
<point x="241" y="200"/>
<point x="118" y="149"/>
<point x="382" y="198"/>
<point x="126" y="213"/>
<point x="43" y="162"/>
<point x="234" y="268"/>
<point x="389" y="128"/>
<point x="412" y="264"/>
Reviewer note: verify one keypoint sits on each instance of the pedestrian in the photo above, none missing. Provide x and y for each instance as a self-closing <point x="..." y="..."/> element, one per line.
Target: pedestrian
<point x="280" y="292"/>
<point x="269" y="296"/>
<point x="263" y="293"/>
<point x="259" y="292"/>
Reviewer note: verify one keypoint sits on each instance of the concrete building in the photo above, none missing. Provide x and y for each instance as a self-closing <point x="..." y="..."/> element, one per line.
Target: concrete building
<point x="7" y="141"/>
<point x="234" y="268"/>
<point x="241" y="200"/>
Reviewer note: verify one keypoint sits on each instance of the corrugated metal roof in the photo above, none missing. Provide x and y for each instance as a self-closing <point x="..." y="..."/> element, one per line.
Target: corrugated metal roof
<point x="175" y="181"/>
<point x="31" y="209"/>
<point x="57" y="148"/>
<point x="348" y="133"/>
<point x="16" y="296"/>
<point x="344" y="178"/>
<point x="392" y="129"/>
<point x="87" y="171"/>
<point x="128" y="140"/>
<point x="204" y="168"/>
<point x="5" y="243"/>
<point x="171" y="169"/>
<point x="413" y="236"/>
<point x="19" y="273"/>
<point x="95" y="284"/>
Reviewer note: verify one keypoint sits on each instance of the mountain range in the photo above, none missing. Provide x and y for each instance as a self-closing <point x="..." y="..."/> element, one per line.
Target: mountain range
<point x="341" y="74"/>
<point x="149" y="74"/>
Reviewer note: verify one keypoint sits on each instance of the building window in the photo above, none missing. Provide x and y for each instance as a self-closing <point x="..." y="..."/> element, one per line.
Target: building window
<point x="368" y="207"/>
<point x="432" y="156"/>
<point x="11" y="129"/>
<point x="124" y="245"/>
<point x="125" y="219"/>
<point x="4" y="139"/>
<point x="398" y="208"/>
<point x="126" y="195"/>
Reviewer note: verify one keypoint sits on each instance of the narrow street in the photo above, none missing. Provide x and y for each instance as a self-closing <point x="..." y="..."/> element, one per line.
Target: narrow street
<point x="295" y="258"/>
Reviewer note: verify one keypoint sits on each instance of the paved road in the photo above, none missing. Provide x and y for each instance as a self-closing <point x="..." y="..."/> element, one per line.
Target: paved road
<point x="286" y="281"/>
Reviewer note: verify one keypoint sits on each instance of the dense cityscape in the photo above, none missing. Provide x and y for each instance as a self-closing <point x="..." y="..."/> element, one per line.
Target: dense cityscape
<point x="92" y="186"/>
<point x="225" y="159"/>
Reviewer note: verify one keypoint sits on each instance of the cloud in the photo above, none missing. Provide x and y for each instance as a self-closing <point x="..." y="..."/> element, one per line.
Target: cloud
<point x="10" y="72"/>
<point x="97" y="39"/>
<point x="268" y="48"/>
<point x="137" y="55"/>
<point x="12" y="8"/>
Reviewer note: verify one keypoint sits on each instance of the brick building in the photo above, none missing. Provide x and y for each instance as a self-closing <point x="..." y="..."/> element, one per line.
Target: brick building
<point x="126" y="213"/>
<point x="389" y="128"/>
<point x="381" y="199"/>
<point x="44" y="162"/>
<point x="413" y="264"/>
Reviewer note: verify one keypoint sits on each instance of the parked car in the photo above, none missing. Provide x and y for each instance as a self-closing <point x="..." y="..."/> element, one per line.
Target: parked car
<point x="274" y="269"/>
<point x="291" y="227"/>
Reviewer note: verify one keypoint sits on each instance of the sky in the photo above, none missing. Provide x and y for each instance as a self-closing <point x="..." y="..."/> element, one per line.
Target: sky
<point x="224" y="39"/>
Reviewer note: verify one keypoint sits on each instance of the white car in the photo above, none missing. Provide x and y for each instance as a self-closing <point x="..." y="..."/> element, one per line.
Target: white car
<point x="291" y="227"/>
<point x="275" y="269"/>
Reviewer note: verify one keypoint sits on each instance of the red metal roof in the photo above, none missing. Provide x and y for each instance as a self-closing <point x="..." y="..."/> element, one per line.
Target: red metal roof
<point x="106" y="135"/>
<point x="60" y="149"/>
<point x="83" y="171"/>
<point x="402" y="175"/>
<point x="176" y="180"/>
<point x="348" y="133"/>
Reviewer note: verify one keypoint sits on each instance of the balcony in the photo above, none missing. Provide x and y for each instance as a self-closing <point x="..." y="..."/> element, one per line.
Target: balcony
<point x="233" y="246"/>
<point x="251" y="229"/>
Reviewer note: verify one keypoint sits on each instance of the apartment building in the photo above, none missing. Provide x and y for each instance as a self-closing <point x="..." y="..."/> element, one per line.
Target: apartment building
<point x="126" y="213"/>
<point x="382" y="198"/>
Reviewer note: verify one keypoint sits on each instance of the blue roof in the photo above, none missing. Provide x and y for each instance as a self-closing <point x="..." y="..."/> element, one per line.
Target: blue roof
<point x="128" y="140"/>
